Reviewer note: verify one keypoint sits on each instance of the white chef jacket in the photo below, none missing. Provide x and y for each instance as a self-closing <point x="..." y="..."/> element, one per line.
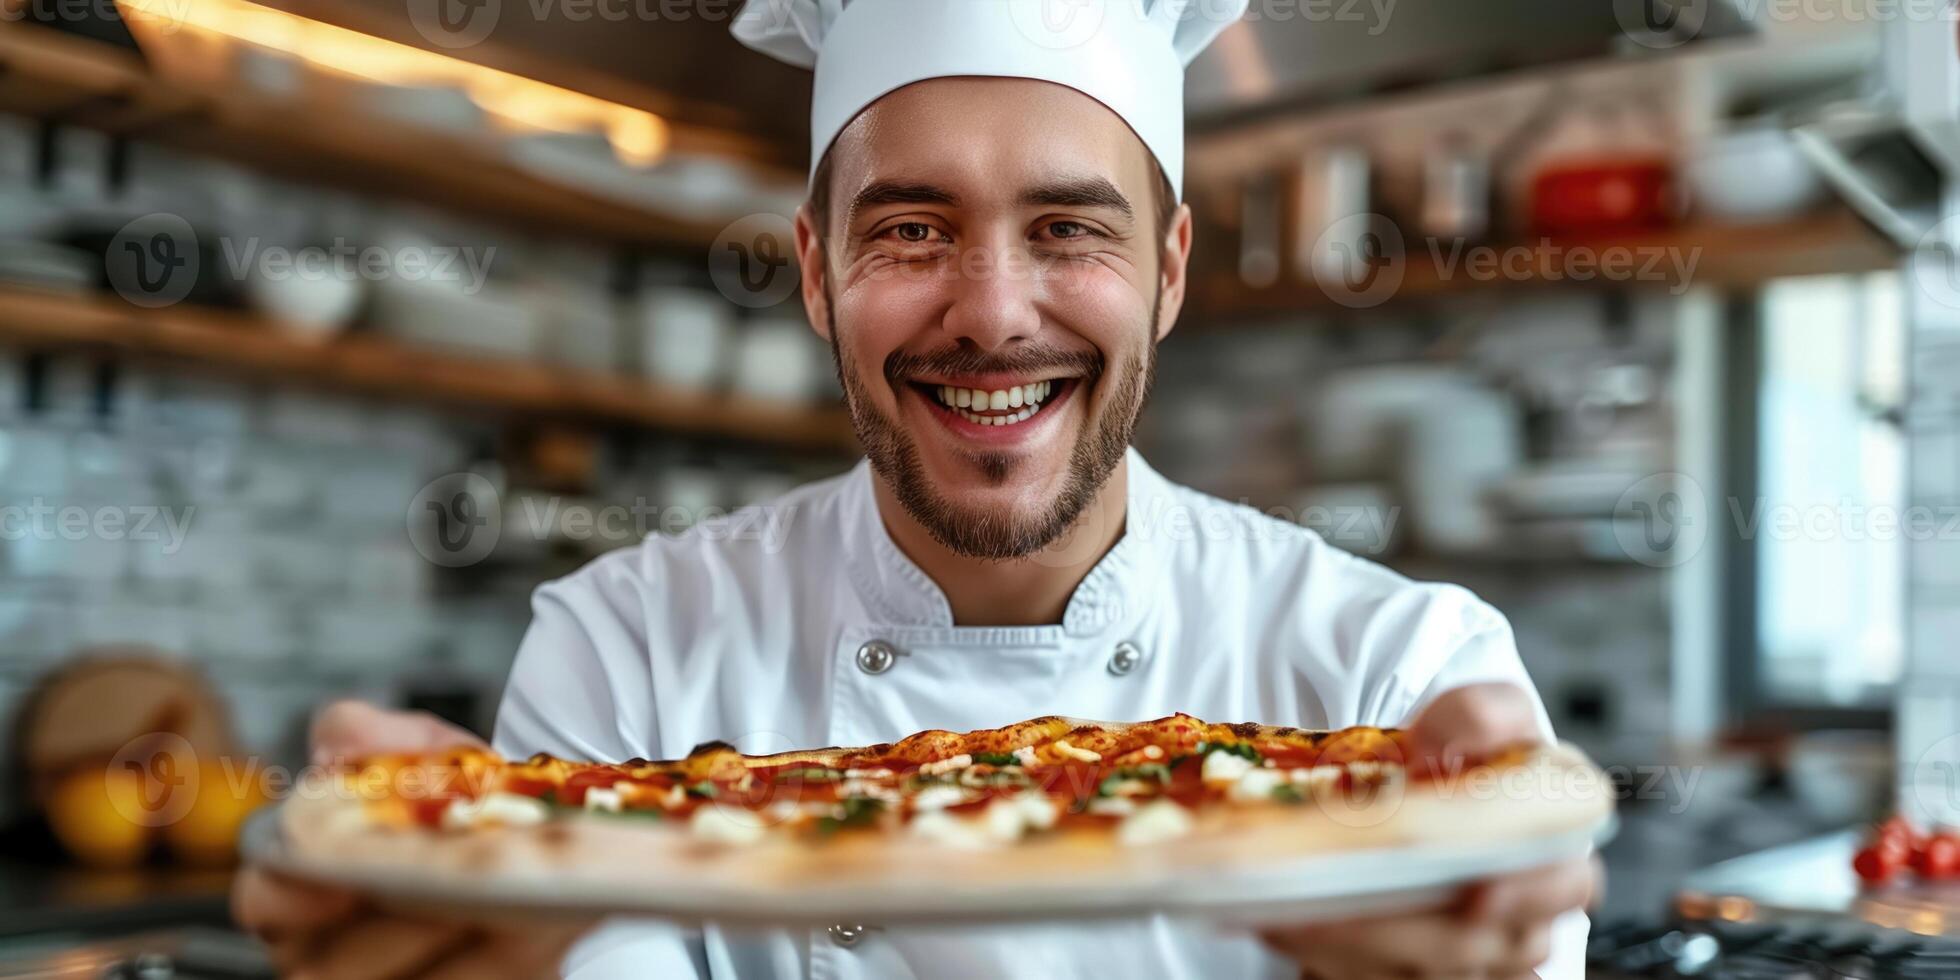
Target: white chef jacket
<point x="799" y="623"/>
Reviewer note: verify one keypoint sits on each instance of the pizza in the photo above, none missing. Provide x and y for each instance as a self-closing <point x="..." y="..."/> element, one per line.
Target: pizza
<point x="1045" y="801"/>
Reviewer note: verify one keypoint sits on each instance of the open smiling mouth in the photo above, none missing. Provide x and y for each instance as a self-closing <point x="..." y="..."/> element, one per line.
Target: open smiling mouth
<point x="998" y="406"/>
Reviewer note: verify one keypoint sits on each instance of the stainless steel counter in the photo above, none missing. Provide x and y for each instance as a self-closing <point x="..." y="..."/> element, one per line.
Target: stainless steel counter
<point x="1812" y="881"/>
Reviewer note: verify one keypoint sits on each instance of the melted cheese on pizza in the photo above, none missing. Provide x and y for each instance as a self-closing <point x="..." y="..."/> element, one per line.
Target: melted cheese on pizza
<point x="964" y="789"/>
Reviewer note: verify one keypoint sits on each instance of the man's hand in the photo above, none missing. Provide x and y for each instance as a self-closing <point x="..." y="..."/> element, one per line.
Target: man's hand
<point x="1495" y="930"/>
<point x="320" y="933"/>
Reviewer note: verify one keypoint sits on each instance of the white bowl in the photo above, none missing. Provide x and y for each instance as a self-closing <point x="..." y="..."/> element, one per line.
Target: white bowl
<point x="311" y="305"/>
<point x="1753" y="175"/>
<point x="1842" y="777"/>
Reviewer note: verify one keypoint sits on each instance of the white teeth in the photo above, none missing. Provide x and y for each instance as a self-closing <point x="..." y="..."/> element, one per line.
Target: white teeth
<point x="1018" y="417"/>
<point x="1027" y="398"/>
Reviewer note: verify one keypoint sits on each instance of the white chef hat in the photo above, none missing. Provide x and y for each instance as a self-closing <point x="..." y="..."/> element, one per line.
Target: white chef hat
<point x="1127" y="54"/>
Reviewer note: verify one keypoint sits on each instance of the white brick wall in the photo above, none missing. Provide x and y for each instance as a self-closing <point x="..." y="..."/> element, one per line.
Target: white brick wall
<point x="289" y="577"/>
<point x="1929" y="701"/>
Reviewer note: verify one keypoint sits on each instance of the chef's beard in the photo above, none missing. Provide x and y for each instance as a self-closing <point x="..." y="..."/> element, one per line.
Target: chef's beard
<point x="994" y="536"/>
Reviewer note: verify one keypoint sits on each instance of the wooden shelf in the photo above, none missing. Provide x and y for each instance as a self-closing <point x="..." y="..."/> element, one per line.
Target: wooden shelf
<point x="1734" y="255"/>
<point x="242" y="345"/>
<point x="48" y="75"/>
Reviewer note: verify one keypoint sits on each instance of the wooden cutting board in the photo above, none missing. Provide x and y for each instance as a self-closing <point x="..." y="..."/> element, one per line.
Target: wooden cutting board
<point x="107" y="701"/>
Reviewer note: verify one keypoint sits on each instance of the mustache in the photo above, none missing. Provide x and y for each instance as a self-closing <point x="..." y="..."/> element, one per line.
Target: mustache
<point x="901" y="365"/>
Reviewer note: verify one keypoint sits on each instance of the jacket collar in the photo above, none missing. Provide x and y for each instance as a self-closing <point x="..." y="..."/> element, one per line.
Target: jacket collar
<point x="895" y="591"/>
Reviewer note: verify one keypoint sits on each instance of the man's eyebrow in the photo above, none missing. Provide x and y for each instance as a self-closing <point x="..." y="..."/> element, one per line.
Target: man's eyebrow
<point x="902" y="192"/>
<point x="1091" y="192"/>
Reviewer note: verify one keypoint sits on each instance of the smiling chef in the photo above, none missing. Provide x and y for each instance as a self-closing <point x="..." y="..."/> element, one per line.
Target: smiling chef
<point x="993" y="245"/>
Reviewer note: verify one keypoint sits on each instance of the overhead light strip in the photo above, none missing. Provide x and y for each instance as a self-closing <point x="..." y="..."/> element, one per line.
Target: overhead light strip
<point x="637" y="136"/>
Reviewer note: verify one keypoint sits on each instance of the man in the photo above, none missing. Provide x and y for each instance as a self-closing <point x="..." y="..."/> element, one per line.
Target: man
<point x="993" y="246"/>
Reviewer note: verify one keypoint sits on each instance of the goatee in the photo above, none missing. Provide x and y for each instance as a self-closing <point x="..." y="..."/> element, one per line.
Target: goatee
<point x="996" y="536"/>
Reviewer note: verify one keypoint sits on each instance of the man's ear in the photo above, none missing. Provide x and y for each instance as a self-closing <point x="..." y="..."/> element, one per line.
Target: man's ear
<point x="810" y="264"/>
<point x="1172" y="278"/>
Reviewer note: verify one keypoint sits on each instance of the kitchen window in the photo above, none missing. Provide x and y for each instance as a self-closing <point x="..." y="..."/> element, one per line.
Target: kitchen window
<point x="1820" y="509"/>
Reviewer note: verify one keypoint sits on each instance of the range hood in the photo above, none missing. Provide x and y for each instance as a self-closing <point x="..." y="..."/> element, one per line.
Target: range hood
<point x="1285" y="55"/>
<point x="1892" y="151"/>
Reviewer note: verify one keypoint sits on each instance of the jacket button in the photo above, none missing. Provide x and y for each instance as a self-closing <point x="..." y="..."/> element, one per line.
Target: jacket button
<point x="1125" y="659"/>
<point x="876" y="657"/>
<point x="846" y="935"/>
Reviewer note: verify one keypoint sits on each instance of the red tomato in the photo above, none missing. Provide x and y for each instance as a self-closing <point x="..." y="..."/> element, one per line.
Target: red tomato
<point x="1898" y="829"/>
<point x="1873" y="866"/>
<point x="428" y="812"/>
<point x="1938" y="858"/>
<point x="528" y="786"/>
<point x="1285" y="756"/>
<point x="1897" y="851"/>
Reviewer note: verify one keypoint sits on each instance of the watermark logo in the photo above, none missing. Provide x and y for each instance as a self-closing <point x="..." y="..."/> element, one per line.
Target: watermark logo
<point x="1661" y="24"/>
<point x="1935" y="781"/>
<point x="455" y="520"/>
<point x="1058" y="24"/>
<point x="1662" y="520"/>
<point x="166" y="16"/>
<point x="454" y="23"/>
<point x="1360" y="260"/>
<point x="165" y="771"/>
<point x="1365" y="794"/>
<point x="153" y="261"/>
<point x="1936" y="263"/>
<point x="1079" y="543"/>
<point x="750" y="260"/>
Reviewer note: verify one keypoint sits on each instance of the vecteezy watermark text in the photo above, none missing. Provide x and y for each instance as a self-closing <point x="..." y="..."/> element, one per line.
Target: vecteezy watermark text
<point x="768" y="524"/>
<point x="1550" y="262"/>
<point x="157" y="259"/>
<point x="457" y="519"/>
<point x="1053" y="23"/>
<point x="1363" y="260"/>
<point x="1665" y="24"/>
<point x="38" y="520"/>
<point x="168" y="15"/>
<point x="341" y="260"/>
<point x="1374" y="13"/>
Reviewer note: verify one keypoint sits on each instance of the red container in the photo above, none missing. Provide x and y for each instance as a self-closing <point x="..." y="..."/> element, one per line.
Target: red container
<point x="1590" y="198"/>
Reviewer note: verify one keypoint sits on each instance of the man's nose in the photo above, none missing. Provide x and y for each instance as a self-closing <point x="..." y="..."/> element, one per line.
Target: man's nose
<point x="994" y="291"/>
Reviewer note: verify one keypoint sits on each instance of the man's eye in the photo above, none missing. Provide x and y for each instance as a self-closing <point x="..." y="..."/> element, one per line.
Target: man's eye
<point x="913" y="231"/>
<point x="1068" y="229"/>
